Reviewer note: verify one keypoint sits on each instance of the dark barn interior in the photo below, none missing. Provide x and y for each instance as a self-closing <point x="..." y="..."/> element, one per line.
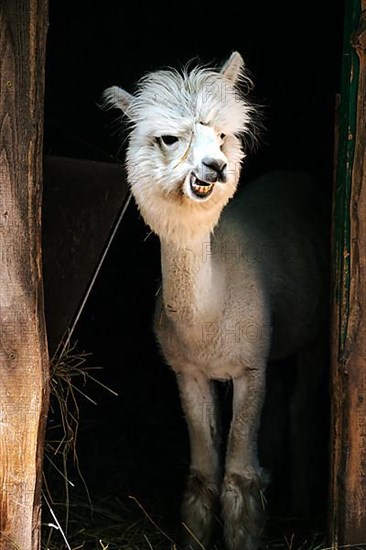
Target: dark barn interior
<point x="135" y="444"/>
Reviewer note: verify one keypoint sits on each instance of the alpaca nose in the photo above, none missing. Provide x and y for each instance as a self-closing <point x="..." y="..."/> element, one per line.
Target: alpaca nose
<point x="214" y="169"/>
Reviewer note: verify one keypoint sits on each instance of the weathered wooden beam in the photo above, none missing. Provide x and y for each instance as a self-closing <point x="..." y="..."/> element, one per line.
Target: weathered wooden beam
<point x="348" y="485"/>
<point x="23" y="349"/>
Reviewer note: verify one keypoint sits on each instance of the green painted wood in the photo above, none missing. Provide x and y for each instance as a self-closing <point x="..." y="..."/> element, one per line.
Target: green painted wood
<point x="346" y="148"/>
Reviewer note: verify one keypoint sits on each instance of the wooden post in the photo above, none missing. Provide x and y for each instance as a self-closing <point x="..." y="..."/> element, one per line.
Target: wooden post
<point x="23" y="349"/>
<point x="348" y="483"/>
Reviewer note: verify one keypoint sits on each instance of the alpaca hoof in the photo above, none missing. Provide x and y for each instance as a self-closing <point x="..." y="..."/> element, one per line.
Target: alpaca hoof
<point x="243" y="511"/>
<point x="198" y="512"/>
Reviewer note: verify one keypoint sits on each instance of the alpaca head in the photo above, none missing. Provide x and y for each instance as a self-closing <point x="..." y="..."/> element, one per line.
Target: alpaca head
<point x="184" y="152"/>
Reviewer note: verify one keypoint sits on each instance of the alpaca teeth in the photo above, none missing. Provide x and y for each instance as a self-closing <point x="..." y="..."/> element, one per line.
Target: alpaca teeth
<point x="200" y="190"/>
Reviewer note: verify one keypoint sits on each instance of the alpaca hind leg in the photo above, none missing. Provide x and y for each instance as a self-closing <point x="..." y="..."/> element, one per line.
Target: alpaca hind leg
<point x="242" y="491"/>
<point x="201" y="494"/>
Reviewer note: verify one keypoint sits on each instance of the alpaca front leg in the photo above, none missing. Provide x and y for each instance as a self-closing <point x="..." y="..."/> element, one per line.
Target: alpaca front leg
<point x="201" y="494"/>
<point x="241" y="496"/>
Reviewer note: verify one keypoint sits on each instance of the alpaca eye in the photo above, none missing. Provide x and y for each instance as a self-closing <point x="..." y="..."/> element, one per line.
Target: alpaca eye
<point x="169" y="140"/>
<point x="222" y="136"/>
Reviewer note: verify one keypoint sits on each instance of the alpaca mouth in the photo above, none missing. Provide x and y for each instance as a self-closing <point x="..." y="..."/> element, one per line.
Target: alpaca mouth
<point x="199" y="188"/>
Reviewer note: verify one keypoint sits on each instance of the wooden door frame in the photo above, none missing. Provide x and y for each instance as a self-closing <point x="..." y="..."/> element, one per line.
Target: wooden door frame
<point x="347" y="505"/>
<point x="24" y="364"/>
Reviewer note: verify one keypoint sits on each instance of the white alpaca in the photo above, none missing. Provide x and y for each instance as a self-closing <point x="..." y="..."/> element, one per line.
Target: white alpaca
<point x="234" y="294"/>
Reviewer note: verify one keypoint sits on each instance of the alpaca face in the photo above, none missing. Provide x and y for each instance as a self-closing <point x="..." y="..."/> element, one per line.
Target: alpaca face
<point x="184" y="153"/>
<point x="203" y="162"/>
<point x="188" y="164"/>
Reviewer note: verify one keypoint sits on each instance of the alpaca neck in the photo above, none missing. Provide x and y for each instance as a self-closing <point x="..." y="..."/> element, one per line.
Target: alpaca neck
<point x="188" y="279"/>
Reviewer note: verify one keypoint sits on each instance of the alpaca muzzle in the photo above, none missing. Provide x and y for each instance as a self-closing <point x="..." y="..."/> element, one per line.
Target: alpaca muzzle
<point x="214" y="170"/>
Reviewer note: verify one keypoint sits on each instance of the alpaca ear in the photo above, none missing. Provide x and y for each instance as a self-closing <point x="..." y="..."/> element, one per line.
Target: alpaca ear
<point x="115" y="97"/>
<point x="233" y="67"/>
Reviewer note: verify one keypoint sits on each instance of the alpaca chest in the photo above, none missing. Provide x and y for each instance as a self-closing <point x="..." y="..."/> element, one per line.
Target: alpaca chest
<point x="221" y="346"/>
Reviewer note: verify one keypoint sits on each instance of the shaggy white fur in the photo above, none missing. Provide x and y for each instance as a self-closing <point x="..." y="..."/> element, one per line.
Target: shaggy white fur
<point x="234" y="293"/>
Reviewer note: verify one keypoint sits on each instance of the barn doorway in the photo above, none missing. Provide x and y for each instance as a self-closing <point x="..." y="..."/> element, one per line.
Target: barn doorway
<point x="135" y="444"/>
